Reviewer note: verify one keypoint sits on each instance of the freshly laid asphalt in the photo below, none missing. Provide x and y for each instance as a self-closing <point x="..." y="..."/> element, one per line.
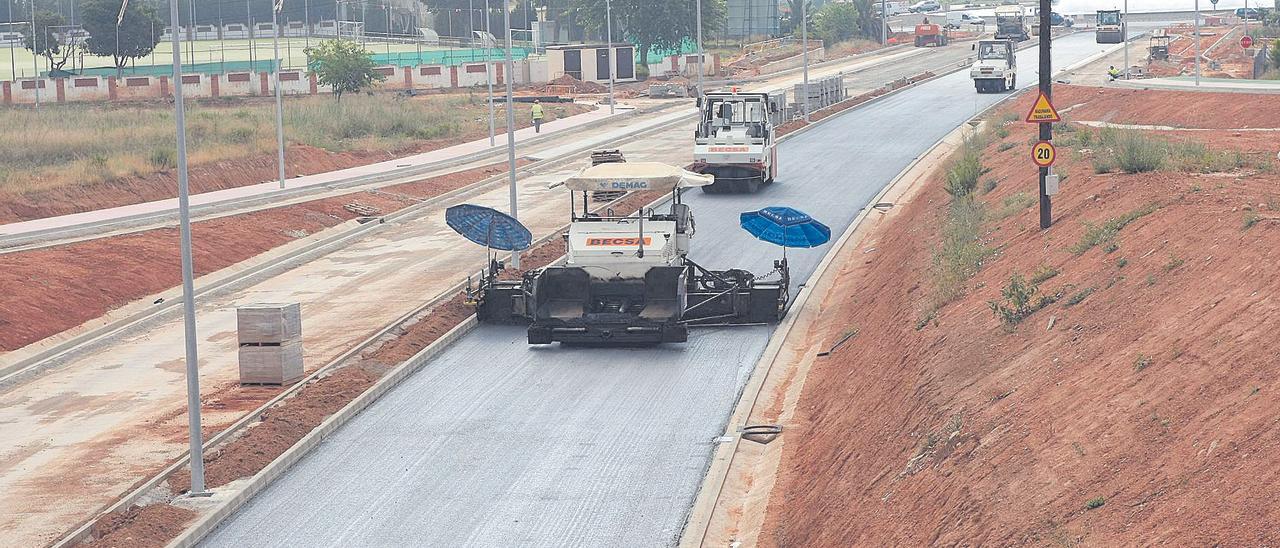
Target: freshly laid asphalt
<point x="498" y="443"/>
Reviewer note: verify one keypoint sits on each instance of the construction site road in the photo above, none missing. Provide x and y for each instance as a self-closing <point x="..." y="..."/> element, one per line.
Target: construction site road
<point x="497" y="443"/>
<point x="86" y="426"/>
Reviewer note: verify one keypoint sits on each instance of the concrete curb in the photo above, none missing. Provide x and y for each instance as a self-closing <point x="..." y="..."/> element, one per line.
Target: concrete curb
<point x="722" y="460"/>
<point x="194" y="533"/>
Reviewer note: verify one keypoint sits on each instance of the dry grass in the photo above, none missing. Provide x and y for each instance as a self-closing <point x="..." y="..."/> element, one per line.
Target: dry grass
<point x="67" y="145"/>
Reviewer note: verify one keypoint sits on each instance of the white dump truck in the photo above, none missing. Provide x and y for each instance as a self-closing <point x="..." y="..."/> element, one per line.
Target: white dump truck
<point x="1011" y="23"/>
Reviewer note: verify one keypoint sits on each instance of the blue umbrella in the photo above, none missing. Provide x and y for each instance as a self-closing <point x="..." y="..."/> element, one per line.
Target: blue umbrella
<point x="488" y="227"/>
<point x="786" y="227"/>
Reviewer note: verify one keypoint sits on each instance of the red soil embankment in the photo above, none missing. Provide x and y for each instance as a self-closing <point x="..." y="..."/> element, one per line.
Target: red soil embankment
<point x="57" y="288"/>
<point x="1140" y="408"/>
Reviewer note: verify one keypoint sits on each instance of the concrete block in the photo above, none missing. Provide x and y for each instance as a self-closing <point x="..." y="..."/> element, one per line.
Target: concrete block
<point x="269" y="323"/>
<point x="271" y="364"/>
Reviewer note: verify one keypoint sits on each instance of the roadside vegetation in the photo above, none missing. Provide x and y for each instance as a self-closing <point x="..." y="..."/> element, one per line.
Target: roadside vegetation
<point x="68" y="145"/>
<point x="962" y="251"/>
<point x="1133" y="151"/>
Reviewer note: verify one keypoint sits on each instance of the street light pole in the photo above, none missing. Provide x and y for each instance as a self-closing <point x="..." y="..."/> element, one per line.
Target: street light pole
<point x="1197" y="38"/>
<point x="488" y="73"/>
<point x="35" y="59"/>
<point x="275" y="38"/>
<point x="804" y="37"/>
<point x="1125" y="37"/>
<point x="511" y="126"/>
<point x="188" y="285"/>
<point x="13" y="59"/>
<point x="701" y="54"/>
<point x="884" y="23"/>
<point x="608" y="24"/>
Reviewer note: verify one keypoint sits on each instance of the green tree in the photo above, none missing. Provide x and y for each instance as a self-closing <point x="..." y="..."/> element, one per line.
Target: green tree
<point x="836" y="23"/>
<point x="790" y="23"/>
<point x="343" y="65"/>
<point x="869" y="26"/>
<point x="650" y="24"/>
<point x="138" y="34"/>
<point x="44" y="43"/>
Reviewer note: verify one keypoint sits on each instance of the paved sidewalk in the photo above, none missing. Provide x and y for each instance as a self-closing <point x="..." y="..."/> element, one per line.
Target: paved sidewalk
<point x="564" y="125"/>
<point x="1188" y="83"/>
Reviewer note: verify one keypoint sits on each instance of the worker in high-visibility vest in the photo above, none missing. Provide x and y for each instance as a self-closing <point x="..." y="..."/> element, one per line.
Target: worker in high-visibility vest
<point x="537" y="116"/>
<point x="1114" y="73"/>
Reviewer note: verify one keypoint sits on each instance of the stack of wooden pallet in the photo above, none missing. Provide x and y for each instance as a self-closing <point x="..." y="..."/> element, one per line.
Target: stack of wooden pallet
<point x="270" y="337"/>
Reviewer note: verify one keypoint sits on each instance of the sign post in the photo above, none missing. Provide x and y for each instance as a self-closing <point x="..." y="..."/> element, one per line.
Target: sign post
<point x="1045" y="119"/>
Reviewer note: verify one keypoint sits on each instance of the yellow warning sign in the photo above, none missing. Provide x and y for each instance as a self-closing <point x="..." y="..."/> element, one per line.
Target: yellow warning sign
<point x="1043" y="111"/>
<point x="1043" y="154"/>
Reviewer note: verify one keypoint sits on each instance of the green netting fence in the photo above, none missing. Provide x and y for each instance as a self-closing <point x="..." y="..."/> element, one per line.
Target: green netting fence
<point x="448" y="57"/>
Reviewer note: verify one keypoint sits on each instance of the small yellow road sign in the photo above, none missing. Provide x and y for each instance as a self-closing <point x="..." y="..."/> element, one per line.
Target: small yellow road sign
<point x="1043" y="154"/>
<point x="1043" y="111"/>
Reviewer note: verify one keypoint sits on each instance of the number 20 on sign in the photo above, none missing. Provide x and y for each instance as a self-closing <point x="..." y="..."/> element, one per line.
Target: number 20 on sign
<point x="1043" y="154"/>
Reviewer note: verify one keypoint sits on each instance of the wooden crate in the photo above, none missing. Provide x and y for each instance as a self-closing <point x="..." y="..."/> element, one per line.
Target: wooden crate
<point x="271" y="364"/>
<point x="269" y="323"/>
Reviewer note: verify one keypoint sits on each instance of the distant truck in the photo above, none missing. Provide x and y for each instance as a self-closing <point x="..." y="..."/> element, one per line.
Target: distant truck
<point x="958" y="19"/>
<point x="894" y="8"/>
<point x="1011" y="23"/>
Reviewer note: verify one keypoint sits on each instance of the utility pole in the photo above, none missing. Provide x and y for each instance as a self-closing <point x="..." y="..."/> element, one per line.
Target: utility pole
<point x="804" y="37"/>
<point x="188" y="285"/>
<point x="13" y="60"/>
<point x="35" y="59"/>
<point x="884" y="23"/>
<point x="306" y="24"/>
<point x="701" y="53"/>
<point x="488" y="72"/>
<point x="511" y="126"/>
<point x="1197" y="40"/>
<point x="1124" y="26"/>
<point x="1046" y="87"/>
<point x="275" y="37"/>
<point x="608" y="24"/>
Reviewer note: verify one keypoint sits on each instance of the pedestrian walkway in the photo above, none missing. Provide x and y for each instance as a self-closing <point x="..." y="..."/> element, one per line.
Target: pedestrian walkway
<point x="1188" y="83"/>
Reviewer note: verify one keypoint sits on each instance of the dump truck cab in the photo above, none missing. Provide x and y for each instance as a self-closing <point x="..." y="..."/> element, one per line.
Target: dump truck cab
<point x="1111" y="27"/>
<point x="995" y="69"/>
<point x="735" y="140"/>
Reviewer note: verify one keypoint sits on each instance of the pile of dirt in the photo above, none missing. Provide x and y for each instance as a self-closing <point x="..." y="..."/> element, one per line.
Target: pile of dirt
<point x="577" y="86"/>
<point x="140" y="527"/>
<point x="1137" y="407"/>
<point x="57" y="288"/>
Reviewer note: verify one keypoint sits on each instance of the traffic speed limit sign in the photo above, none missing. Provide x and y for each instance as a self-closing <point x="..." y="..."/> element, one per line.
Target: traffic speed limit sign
<point x="1043" y="154"/>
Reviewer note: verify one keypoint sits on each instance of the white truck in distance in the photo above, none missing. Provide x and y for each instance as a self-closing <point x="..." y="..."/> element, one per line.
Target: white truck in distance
<point x="996" y="68"/>
<point x="1011" y="23"/>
